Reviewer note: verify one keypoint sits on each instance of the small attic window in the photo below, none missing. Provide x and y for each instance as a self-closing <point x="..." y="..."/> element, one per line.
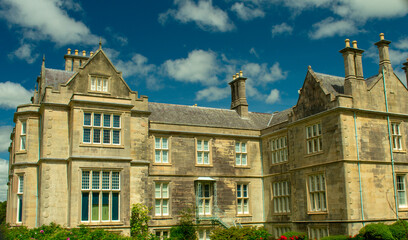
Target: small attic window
<point x="99" y="84"/>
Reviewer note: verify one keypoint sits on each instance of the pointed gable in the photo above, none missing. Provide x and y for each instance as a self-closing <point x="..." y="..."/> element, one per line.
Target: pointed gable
<point x="98" y="76"/>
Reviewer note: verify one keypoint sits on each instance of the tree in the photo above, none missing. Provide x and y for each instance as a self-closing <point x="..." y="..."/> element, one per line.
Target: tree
<point x="185" y="229"/>
<point x="3" y="208"/>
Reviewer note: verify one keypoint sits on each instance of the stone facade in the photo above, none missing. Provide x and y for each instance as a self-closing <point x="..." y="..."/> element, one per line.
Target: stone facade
<point x="88" y="147"/>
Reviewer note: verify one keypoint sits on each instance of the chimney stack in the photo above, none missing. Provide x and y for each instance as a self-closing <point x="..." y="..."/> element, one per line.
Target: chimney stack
<point x="384" y="54"/>
<point x="238" y="96"/>
<point x="406" y="69"/>
<point x="74" y="61"/>
<point x="353" y="65"/>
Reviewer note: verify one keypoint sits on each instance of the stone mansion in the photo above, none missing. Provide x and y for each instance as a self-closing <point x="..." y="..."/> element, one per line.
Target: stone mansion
<point x="88" y="147"/>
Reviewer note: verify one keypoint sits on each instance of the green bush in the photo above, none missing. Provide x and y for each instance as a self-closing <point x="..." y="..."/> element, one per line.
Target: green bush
<point x="295" y="235"/>
<point x="185" y="230"/>
<point x="235" y="233"/>
<point x="399" y="229"/>
<point x="336" y="237"/>
<point x="376" y="231"/>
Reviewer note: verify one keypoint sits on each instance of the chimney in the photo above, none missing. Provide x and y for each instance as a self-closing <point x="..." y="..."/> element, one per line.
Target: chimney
<point x="74" y="61"/>
<point x="238" y="98"/>
<point x="384" y="54"/>
<point x="406" y="69"/>
<point x="353" y="65"/>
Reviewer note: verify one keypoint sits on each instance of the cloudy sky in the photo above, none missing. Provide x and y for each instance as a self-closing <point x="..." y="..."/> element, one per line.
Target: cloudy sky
<point x="186" y="51"/>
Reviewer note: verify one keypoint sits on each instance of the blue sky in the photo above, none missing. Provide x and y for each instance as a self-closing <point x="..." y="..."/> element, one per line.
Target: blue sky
<point x="186" y="51"/>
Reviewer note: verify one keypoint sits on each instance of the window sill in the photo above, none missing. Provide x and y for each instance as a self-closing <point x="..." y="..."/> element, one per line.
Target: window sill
<point x="244" y="215"/>
<point x="280" y="214"/>
<point x="244" y="167"/>
<point x="405" y="209"/>
<point x="399" y="151"/>
<point x="317" y="213"/>
<point x="101" y="145"/>
<point x="21" y="152"/>
<point x="162" y="164"/>
<point x="99" y="92"/>
<point x="204" y="165"/>
<point x="279" y="163"/>
<point x="102" y="223"/>
<point x="161" y="217"/>
<point x="313" y="154"/>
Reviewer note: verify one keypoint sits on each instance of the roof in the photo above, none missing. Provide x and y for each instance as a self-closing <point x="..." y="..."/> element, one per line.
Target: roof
<point x="279" y="117"/>
<point x="203" y="116"/>
<point x="333" y="84"/>
<point x="54" y="77"/>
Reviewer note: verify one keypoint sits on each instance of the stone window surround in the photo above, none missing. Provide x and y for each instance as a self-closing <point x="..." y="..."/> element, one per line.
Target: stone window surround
<point x="396" y="137"/>
<point x="169" y="138"/>
<point x="101" y="128"/>
<point x="278" y="150"/>
<point x="241" y="153"/>
<point x="284" y="196"/>
<point x="313" y="137"/>
<point x="161" y="199"/>
<point x="20" y="198"/>
<point x="243" y="198"/>
<point x="401" y="190"/>
<point x="23" y="135"/>
<point x="316" y="193"/>
<point x="319" y="230"/>
<point x="103" y="77"/>
<point x="202" y="139"/>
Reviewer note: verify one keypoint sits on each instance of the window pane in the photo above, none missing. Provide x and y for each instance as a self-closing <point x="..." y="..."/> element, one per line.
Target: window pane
<point x="87" y="119"/>
<point x="93" y="84"/>
<point x="165" y="190"/>
<point x="95" y="206"/>
<point x="157" y="144"/>
<point x="207" y="206"/>
<point x="115" y="181"/>
<point x="243" y="147"/>
<point x="157" y="191"/>
<point x="105" y="85"/>
<point x="199" y="145"/>
<point x="105" y="206"/>
<point x="99" y="84"/>
<point x="205" y="145"/>
<point x="206" y="159"/>
<point x="245" y="205"/>
<point x="105" y="180"/>
<point x="239" y="191"/>
<point x="97" y="136"/>
<point x="23" y="142"/>
<point x="116" y="137"/>
<point x="239" y="205"/>
<point x="20" y="208"/>
<point x="85" y="179"/>
<point x="164" y="143"/>
<point x="106" y="136"/>
<point x="165" y="157"/>
<point x="157" y="207"/>
<point x="238" y="159"/>
<point x="157" y="156"/>
<point x="237" y="148"/>
<point x="115" y="206"/>
<point x="199" y="157"/>
<point x="116" y="121"/>
<point x="97" y="119"/>
<point x="106" y="120"/>
<point x="245" y="188"/>
<point x="165" y="207"/>
<point x="20" y="184"/>
<point x="87" y="135"/>
<point x="85" y="207"/>
<point x="95" y="180"/>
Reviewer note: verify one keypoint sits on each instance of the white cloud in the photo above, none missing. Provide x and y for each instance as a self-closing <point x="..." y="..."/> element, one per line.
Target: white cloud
<point x="13" y="94"/>
<point x="281" y="29"/>
<point x="212" y="94"/>
<point x="204" y="14"/>
<point x="330" y="27"/>
<point x="42" y="19"/>
<point x="401" y="75"/>
<point x="247" y="13"/>
<point x="5" y="132"/>
<point x="402" y="43"/>
<point x="24" y="52"/>
<point x="3" y="179"/>
<point x="261" y="74"/>
<point x="273" y="97"/>
<point x="397" y="57"/>
<point x="200" y="66"/>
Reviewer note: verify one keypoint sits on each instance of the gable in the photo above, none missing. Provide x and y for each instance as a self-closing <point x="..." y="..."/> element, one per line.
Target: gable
<point x="98" y="76"/>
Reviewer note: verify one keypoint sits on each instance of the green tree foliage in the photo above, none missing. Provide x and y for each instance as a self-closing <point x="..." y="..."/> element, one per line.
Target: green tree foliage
<point x="185" y="229"/>
<point x="139" y="219"/>
<point x="376" y="231"/>
<point x="399" y="229"/>
<point x="235" y="233"/>
<point x="3" y="208"/>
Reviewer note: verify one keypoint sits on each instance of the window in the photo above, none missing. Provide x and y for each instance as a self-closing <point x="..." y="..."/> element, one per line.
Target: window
<point x="318" y="232"/>
<point x="161" y="150"/>
<point x="99" y="84"/>
<point x="279" y="150"/>
<point x="240" y="154"/>
<point x="162" y="234"/>
<point x="281" y="197"/>
<point x="100" y="196"/>
<point x="317" y="193"/>
<point x="101" y="128"/>
<point x="205" y="198"/>
<point x="23" y="136"/>
<point x="314" y="138"/>
<point x="20" y="198"/>
<point x="280" y="230"/>
<point x="402" y="194"/>
<point x="396" y="136"/>
<point x="204" y="234"/>
<point x="161" y="195"/>
<point x="242" y="199"/>
<point x="203" y="152"/>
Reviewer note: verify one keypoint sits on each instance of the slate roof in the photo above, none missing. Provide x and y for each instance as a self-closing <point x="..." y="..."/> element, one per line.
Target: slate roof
<point x="54" y="77"/>
<point x="332" y="84"/>
<point x="203" y="116"/>
<point x="279" y="117"/>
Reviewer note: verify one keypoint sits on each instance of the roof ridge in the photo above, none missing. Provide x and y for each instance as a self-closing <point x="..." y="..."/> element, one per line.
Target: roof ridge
<point x="328" y="74"/>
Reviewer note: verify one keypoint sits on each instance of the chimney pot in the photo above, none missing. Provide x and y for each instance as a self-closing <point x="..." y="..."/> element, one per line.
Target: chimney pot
<point x="91" y="53"/>
<point x="83" y="53"/>
<point x="240" y="73"/>
<point x="381" y="36"/>
<point x="347" y="42"/>
<point x="355" y="44"/>
<point x="76" y="51"/>
<point x="69" y="51"/>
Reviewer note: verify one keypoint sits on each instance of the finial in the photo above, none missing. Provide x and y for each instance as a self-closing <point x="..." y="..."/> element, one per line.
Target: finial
<point x="43" y="60"/>
<point x="354" y="44"/>
<point x="347" y="41"/>
<point x="43" y="57"/>
<point x="381" y="36"/>
<point x="100" y="43"/>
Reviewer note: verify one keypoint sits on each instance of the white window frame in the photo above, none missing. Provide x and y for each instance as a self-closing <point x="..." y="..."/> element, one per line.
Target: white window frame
<point x="99" y="84"/>
<point x="203" y="199"/>
<point x="96" y="185"/>
<point x="278" y="149"/>
<point x="111" y="129"/>
<point x="161" y="150"/>
<point x="241" y="153"/>
<point x="401" y="190"/>
<point x="20" y="198"/>
<point x="23" y="136"/>
<point x="318" y="232"/>
<point x="242" y="199"/>
<point x="396" y="136"/>
<point x="201" y="152"/>
<point x="317" y="193"/>
<point x="161" y="201"/>
<point x="314" y="139"/>
<point x="281" y="197"/>
<point x="162" y="233"/>
<point x="204" y="234"/>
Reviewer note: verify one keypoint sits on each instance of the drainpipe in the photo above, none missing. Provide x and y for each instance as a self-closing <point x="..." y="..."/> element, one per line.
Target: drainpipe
<point x="263" y="185"/>
<point x="38" y="170"/>
<point x="391" y="153"/>
<point x="359" y="170"/>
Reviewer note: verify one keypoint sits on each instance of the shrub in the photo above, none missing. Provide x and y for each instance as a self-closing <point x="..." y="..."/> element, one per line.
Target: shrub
<point x="376" y="231"/>
<point x="139" y="221"/>
<point x="399" y="229"/>
<point x="294" y="236"/>
<point x="337" y="237"/>
<point x="235" y="233"/>
<point x="185" y="230"/>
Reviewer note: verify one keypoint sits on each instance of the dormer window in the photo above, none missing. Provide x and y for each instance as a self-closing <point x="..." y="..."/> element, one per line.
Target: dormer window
<point x="99" y="84"/>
